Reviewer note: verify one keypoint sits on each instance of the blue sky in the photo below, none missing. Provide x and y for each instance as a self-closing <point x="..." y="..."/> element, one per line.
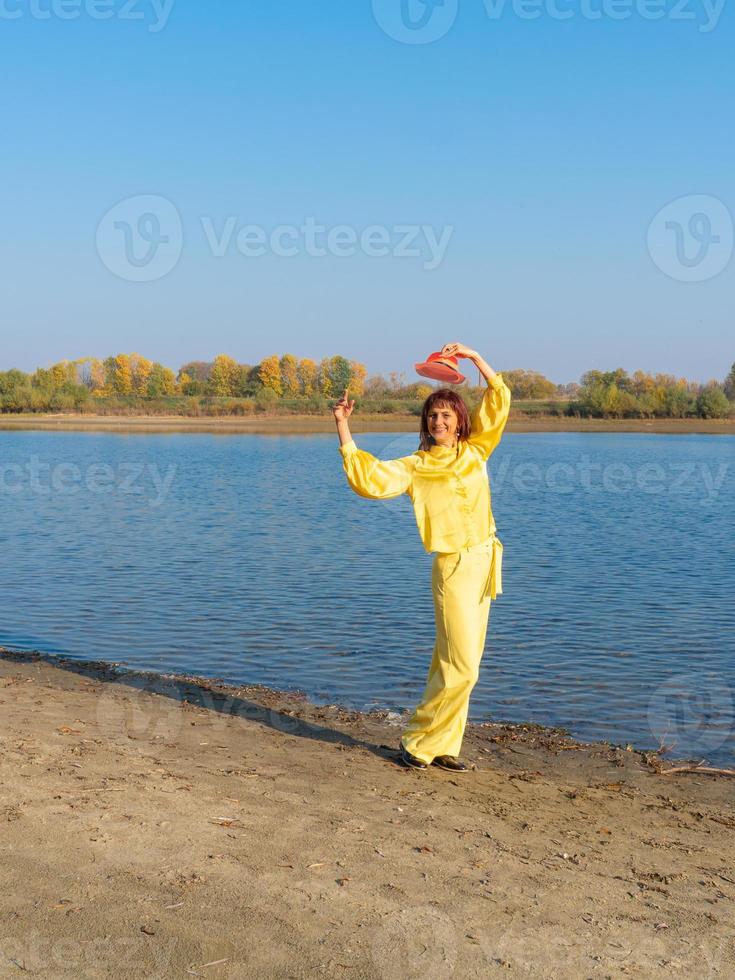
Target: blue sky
<point x="543" y="149"/>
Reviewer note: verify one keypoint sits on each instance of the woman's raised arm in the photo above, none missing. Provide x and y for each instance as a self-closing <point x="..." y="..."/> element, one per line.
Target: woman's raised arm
<point x="370" y="477"/>
<point x="342" y="411"/>
<point x="490" y="416"/>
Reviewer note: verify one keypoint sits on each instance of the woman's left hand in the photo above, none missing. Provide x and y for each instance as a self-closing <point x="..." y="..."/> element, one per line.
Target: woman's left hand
<point x="457" y="350"/>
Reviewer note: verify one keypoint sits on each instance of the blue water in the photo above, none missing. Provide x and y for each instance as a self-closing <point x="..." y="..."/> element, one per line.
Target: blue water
<point x="255" y="563"/>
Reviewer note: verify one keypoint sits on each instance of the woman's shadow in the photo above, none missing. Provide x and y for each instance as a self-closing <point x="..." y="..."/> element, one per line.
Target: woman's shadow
<point x="163" y="713"/>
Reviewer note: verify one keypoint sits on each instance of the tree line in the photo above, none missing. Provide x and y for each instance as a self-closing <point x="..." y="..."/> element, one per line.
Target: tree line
<point x="616" y="394"/>
<point x="127" y="381"/>
<point x="132" y="384"/>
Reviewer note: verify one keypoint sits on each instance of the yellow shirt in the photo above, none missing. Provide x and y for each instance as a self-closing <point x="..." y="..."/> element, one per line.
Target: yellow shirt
<point x="448" y="487"/>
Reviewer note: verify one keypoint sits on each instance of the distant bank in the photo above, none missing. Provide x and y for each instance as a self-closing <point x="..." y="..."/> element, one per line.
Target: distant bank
<point x="295" y="424"/>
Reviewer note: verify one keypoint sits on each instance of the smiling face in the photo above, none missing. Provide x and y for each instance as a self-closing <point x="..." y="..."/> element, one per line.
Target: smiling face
<point x="443" y="422"/>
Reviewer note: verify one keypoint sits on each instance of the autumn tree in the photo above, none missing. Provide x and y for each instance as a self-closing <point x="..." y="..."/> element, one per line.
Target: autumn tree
<point x="290" y="375"/>
<point x="161" y="381"/>
<point x="269" y="373"/>
<point x="324" y="377"/>
<point x="90" y="372"/>
<point x="529" y="384"/>
<point x="63" y="373"/>
<point x="643" y="383"/>
<point x="186" y="383"/>
<point x="118" y="375"/>
<point x="223" y="376"/>
<point x="12" y="380"/>
<point x="308" y="372"/>
<point x="358" y="373"/>
<point x="197" y="370"/>
<point x="141" y="371"/>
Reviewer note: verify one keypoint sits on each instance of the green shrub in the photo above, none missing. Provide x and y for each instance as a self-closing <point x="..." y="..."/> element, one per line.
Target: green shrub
<point x="713" y="403"/>
<point x="266" y="400"/>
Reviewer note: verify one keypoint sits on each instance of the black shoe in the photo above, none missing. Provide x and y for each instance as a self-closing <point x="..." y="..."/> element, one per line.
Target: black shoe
<point x="410" y="760"/>
<point x="450" y="763"/>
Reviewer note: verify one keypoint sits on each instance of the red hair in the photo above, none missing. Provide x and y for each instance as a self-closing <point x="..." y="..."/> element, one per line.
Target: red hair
<point x="444" y="397"/>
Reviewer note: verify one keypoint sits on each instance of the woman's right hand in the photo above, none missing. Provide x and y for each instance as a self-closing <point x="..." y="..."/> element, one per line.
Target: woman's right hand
<point x="344" y="407"/>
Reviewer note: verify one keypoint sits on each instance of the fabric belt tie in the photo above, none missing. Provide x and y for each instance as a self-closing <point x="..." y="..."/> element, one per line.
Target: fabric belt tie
<point x="494" y="584"/>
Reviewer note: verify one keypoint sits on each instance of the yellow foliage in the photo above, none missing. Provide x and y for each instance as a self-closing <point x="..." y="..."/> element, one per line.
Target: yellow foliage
<point x="357" y="378"/>
<point x="141" y="371"/>
<point x="325" y="380"/>
<point x="269" y="372"/>
<point x="290" y="375"/>
<point x="119" y="375"/>
<point x="224" y="374"/>
<point x="307" y="371"/>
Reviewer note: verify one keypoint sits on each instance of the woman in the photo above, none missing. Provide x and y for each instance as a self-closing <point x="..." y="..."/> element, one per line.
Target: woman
<point x="446" y="479"/>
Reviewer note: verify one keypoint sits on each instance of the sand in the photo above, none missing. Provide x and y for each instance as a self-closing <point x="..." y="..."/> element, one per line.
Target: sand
<point x="163" y="827"/>
<point x="303" y="424"/>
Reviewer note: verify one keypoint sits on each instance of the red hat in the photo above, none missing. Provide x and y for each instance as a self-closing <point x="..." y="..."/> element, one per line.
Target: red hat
<point x="440" y="367"/>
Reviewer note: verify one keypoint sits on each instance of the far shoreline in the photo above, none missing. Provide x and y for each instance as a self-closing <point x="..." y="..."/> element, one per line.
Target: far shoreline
<point x="313" y="424"/>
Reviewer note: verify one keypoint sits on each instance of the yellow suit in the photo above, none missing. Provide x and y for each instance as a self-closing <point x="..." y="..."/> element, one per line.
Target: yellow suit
<point x="451" y="499"/>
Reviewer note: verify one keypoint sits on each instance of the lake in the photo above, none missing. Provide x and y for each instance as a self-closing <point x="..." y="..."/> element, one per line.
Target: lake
<point x="248" y="558"/>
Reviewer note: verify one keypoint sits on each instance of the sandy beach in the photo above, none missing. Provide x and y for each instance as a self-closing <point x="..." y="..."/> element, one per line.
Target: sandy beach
<point x="304" y="424"/>
<point x="167" y="827"/>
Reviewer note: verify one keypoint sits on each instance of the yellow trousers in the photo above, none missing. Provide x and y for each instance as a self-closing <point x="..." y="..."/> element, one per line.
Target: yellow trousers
<point x="463" y="584"/>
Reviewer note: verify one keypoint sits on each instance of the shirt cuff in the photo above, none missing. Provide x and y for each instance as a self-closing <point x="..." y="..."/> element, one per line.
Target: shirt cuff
<point x="348" y="448"/>
<point x="497" y="381"/>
